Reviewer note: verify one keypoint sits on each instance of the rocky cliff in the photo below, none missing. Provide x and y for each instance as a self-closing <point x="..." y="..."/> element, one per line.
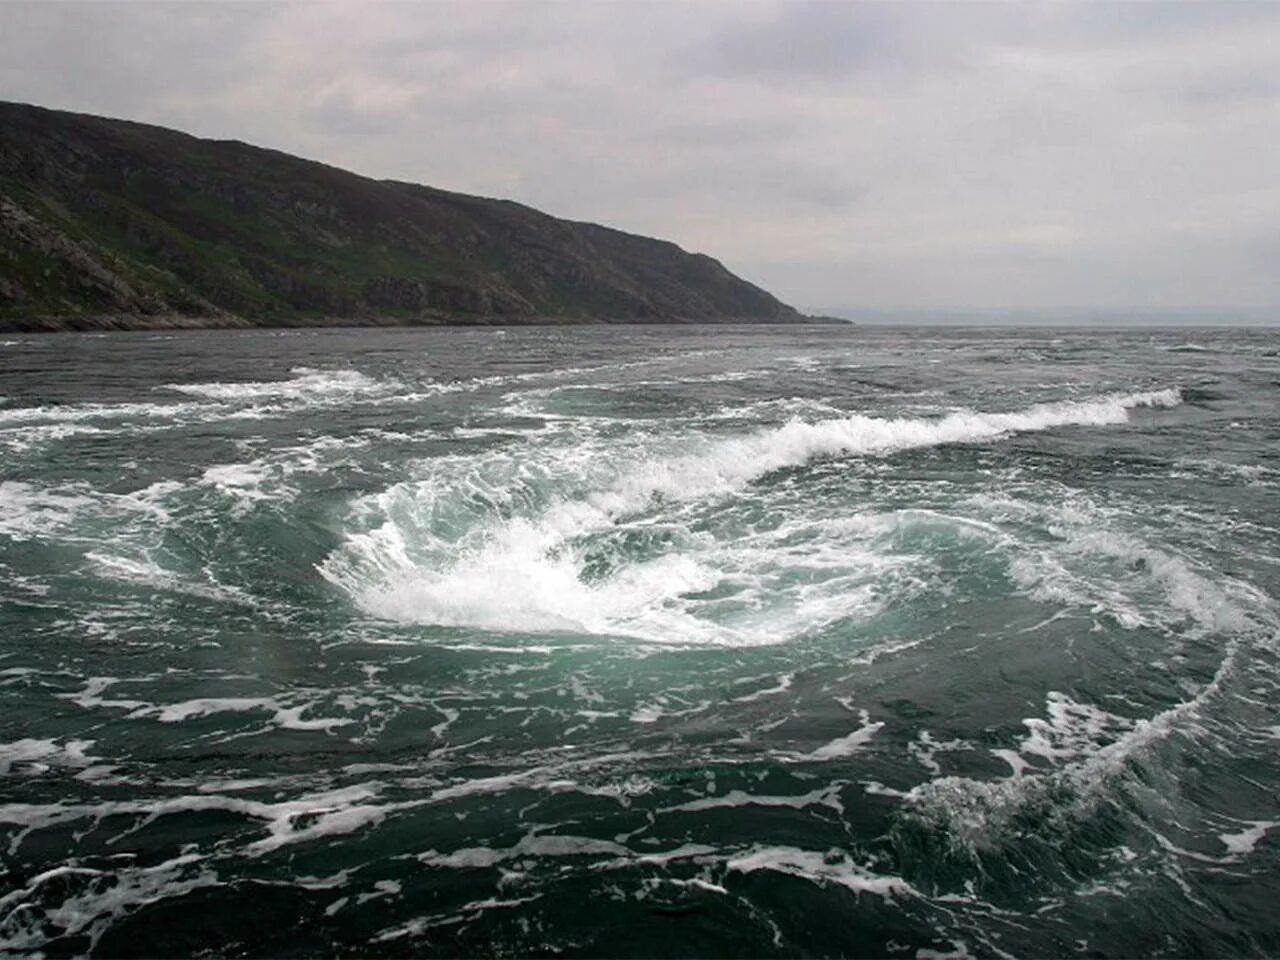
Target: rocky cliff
<point x="110" y="223"/>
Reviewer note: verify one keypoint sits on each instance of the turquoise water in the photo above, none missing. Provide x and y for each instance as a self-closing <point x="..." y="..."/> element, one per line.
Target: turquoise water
<point x="640" y="641"/>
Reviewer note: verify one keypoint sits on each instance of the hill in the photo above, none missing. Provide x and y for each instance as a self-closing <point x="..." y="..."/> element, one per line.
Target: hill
<point x="107" y="223"/>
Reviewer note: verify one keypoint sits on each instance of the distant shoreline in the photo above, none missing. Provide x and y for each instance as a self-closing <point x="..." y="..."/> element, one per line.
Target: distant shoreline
<point x="1065" y="317"/>
<point x="1121" y="323"/>
<point x="103" y="323"/>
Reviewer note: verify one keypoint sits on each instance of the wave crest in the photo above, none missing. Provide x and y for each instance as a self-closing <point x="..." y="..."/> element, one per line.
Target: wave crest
<point x="526" y="573"/>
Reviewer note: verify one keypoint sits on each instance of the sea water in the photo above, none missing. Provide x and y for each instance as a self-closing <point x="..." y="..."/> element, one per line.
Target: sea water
<point x="705" y="641"/>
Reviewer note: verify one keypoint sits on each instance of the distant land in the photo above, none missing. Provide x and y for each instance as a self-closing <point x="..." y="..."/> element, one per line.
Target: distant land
<point x="1115" y="317"/>
<point x="108" y="224"/>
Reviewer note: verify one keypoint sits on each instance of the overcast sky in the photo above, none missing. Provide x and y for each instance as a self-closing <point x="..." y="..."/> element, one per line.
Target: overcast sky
<point x="928" y="155"/>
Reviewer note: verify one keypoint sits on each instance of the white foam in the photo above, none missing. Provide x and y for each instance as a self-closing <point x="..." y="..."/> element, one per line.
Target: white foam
<point x="80" y="515"/>
<point x="204" y="706"/>
<point x="305" y="384"/>
<point x="78" y="412"/>
<point x="727" y="465"/>
<point x="821" y="869"/>
<point x="146" y="570"/>
<point x="241" y="481"/>
<point x="335" y="813"/>
<point x="961" y="950"/>
<point x="306" y="818"/>
<point x="686" y="851"/>
<point x="1071" y="730"/>
<point x="381" y="889"/>
<point x="466" y="912"/>
<point x="1088" y="747"/>
<point x="1242" y="843"/>
<point x="92" y="696"/>
<point x="850" y="744"/>
<point x="652" y="712"/>
<point x="784" y="684"/>
<point x="925" y="749"/>
<point x="1017" y="763"/>
<point x="1253" y="474"/>
<point x="1050" y="576"/>
<point x="540" y="592"/>
<point x="120" y="536"/>
<point x="403" y="566"/>
<point x="288" y="716"/>
<point x="23" y="428"/>
<point x="536" y="844"/>
<point x="90" y="899"/>
<point x="32" y="756"/>
<point x="22" y="439"/>
<point x="28" y="512"/>
<point x="828" y="796"/>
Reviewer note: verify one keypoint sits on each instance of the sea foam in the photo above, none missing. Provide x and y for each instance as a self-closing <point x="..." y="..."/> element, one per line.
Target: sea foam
<point x="524" y="573"/>
<point x="305" y="383"/>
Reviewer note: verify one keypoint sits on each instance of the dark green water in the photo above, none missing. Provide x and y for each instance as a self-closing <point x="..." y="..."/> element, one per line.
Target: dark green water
<point x="640" y="641"/>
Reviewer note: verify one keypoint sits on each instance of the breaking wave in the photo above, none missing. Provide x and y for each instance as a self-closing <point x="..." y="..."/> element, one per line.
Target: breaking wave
<point x="527" y="572"/>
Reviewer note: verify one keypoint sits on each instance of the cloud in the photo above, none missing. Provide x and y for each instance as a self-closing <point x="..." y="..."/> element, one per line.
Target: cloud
<point x="934" y="154"/>
<point x="821" y="41"/>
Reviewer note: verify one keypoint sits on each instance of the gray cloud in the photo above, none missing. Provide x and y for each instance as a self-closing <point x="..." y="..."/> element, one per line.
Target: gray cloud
<point x="822" y="40"/>
<point x="905" y="154"/>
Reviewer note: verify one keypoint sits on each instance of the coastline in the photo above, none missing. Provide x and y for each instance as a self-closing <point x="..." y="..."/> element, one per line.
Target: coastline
<point x="133" y="321"/>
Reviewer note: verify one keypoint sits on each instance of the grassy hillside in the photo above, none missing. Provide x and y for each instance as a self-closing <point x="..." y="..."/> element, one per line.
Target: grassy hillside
<point x="106" y="222"/>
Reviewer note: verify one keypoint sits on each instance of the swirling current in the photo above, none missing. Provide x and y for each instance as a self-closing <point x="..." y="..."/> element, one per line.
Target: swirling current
<point x="640" y="641"/>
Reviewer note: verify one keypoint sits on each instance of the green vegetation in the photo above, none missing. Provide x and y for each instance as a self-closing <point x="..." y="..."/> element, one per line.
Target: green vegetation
<point x="116" y="223"/>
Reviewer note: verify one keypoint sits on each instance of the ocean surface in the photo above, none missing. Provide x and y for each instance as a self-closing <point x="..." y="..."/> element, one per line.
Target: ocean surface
<point x="640" y="641"/>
